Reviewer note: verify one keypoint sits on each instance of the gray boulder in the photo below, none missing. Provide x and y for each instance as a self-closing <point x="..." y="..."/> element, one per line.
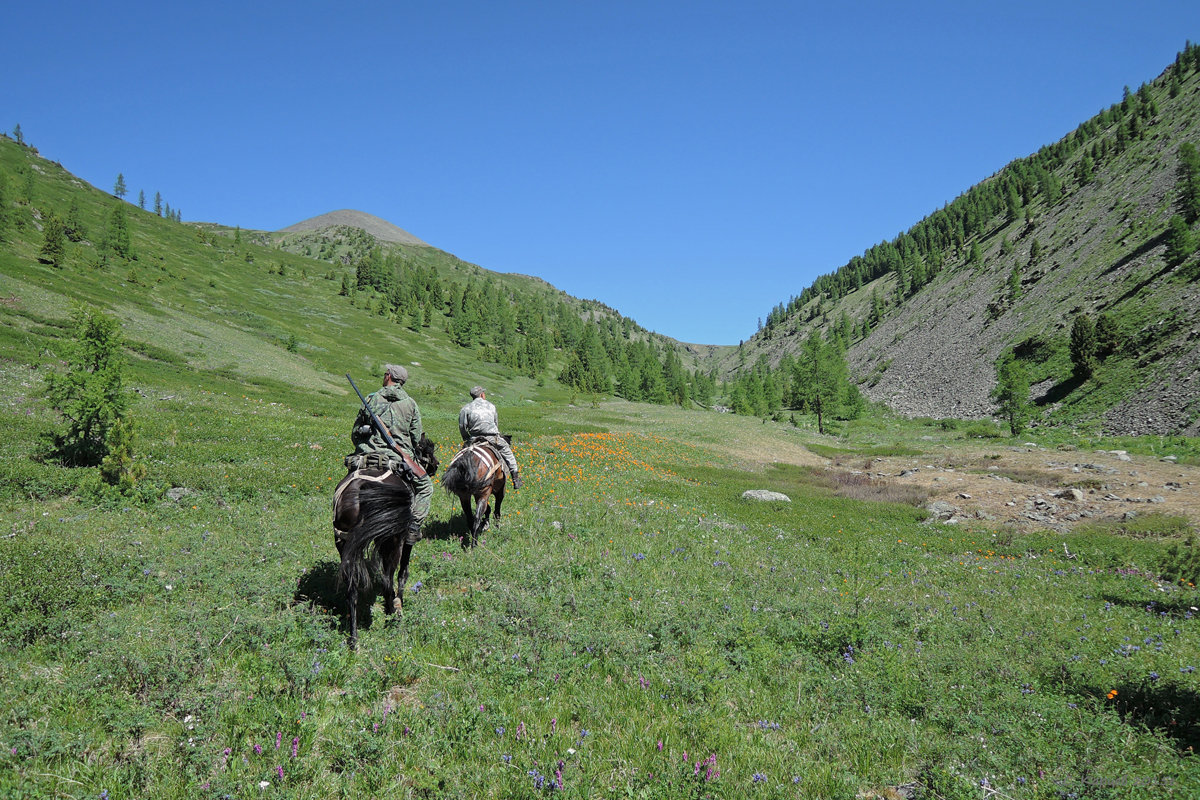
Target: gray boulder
<point x="765" y="495"/>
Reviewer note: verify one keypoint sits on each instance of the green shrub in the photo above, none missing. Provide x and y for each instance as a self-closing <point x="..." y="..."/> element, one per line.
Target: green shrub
<point x="982" y="430"/>
<point x="1181" y="562"/>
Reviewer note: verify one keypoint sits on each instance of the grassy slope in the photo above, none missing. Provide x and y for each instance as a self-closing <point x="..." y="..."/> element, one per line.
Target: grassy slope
<point x="631" y="609"/>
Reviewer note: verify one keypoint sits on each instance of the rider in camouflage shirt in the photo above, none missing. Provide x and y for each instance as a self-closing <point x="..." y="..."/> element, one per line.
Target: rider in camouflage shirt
<point x="399" y="414"/>
<point x="477" y="420"/>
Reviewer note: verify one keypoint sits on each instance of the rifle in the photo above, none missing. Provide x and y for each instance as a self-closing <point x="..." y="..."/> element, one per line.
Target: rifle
<point x="416" y="470"/>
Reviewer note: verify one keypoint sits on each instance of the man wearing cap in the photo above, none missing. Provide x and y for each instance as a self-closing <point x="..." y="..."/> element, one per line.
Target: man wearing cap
<point x="477" y="420"/>
<point x="399" y="414"/>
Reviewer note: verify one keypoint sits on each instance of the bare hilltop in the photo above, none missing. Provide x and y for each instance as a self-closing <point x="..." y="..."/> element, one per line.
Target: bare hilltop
<point x="379" y="228"/>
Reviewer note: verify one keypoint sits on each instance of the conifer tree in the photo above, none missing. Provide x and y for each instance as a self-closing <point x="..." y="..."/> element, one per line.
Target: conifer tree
<point x="1014" y="284"/>
<point x="74" y="224"/>
<point x="89" y="393"/>
<point x="1180" y="243"/>
<point x="1012" y="393"/>
<point x="142" y="199"/>
<point x="116" y="237"/>
<point x="1187" y="185"/>
<point x="119" y="189"/>
<point x="821" y="377"/>
<point x="1108" y="336"/>
<point x="158" y="204"/>
<point x="18" y="136"/>
<point x="1083" y="347"/>
<point x="53" y="241"/>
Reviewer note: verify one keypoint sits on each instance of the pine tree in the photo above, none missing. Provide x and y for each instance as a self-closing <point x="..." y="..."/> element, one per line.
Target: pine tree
<point x="158" y="204"/>
<point x="1108" y="336"/>
<point x="821" y="377"/>
<point x="142" y="199"/>
<point x="116" y="237"/>
<point x="1180" y="243"/>
<point x="74" y="224"/>
<point x="53" y="241"/>
<point x="1187" y="184"/>
<point x="1083" y="347"/>
<point x="1014" y="284"/>
<point x="1012" y="393"/>
<point x="18" y="136"/>
<point x="119" y="189"/>
<point x="118" y="467"/>
<point x="89" y="393"/>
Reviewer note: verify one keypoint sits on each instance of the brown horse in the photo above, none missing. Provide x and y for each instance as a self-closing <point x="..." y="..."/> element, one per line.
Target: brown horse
<point x="476" y="471"/>
<point x="371" y="515"/>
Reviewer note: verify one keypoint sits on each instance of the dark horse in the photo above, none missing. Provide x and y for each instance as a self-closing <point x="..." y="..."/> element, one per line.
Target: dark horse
<point x="371" y="506"/>
<point x="476" y="471"/>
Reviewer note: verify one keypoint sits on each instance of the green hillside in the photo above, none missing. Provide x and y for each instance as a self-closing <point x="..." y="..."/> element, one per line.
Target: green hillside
<point x="1082" y="228"/>
<point x="263" y="311"/>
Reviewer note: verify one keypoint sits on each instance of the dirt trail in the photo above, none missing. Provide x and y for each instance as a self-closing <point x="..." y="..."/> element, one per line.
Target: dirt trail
<point x="1029" y="488"/>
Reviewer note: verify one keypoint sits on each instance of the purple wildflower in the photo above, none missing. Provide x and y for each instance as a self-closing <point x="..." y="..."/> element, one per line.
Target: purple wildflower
<point x="279" y="772"/>
<point x="295" y="746"/>
<point x="758" y="777"/>
<point x="258" y="749"/>
<point x="278" y="739"/>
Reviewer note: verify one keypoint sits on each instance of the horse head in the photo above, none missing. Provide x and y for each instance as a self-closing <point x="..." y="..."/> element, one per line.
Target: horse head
<point x="427" y="455"/>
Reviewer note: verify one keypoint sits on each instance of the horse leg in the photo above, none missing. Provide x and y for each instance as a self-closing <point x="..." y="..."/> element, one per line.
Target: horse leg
<point x="389" y="556"/>
<point x="352" y="601"/>
<point x="405" y="552"/>
<point x="483" y="511"/>
<point x="468" y="514"/>
<point x="498" y="493"/>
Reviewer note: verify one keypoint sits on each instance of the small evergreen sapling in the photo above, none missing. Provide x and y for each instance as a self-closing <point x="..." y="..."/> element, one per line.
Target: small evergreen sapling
<point x="1012" y="393"/>
<point x="1083" y="347"/>
<point x="90" y="391"/>
<point x="53" y="241"/>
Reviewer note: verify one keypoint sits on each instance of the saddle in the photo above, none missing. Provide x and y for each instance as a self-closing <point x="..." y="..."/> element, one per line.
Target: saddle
<point x="485" y="450"/>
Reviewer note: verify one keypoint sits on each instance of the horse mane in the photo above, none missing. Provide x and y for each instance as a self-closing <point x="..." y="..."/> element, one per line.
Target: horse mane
<point x="384" y="511"/>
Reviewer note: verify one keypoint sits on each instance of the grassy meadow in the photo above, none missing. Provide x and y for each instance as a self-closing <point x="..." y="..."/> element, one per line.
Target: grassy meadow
<point x="633" y="628"/>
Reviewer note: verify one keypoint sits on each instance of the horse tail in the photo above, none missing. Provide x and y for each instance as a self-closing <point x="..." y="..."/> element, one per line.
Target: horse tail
<point x="384" y="510"/>
<point x="459" y="477"/>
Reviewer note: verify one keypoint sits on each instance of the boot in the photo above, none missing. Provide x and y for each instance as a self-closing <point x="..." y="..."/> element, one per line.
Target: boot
<point x="516" y="480"/>
<point x="414" y="531"/>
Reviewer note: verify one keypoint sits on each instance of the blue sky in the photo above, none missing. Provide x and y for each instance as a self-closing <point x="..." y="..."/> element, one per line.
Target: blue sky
<point x="691" y="164"/>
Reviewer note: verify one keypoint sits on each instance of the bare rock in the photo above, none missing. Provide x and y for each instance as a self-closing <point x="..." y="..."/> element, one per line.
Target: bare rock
<point x="765" y="496"/>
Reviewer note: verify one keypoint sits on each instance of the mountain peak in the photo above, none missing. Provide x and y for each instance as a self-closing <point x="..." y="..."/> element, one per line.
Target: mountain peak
<point x="379" y="228"/>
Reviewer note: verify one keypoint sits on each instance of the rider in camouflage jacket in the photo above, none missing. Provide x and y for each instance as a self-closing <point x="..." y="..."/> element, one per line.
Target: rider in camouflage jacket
<point x="477" y="420"/>
<point x="399" y="414"/>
